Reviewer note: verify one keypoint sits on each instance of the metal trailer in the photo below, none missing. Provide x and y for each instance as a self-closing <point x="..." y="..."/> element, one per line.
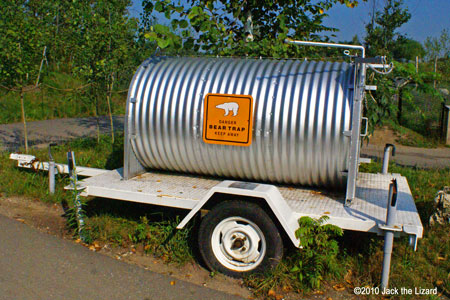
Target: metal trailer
<point x="242" y="231"/>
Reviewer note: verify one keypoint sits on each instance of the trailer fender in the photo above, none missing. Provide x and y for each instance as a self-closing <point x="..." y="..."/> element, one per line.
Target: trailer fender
<point x="268" y="192"/>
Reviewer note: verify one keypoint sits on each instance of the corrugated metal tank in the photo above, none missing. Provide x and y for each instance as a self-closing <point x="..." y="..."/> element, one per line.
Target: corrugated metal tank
<point x="300" y="111"/>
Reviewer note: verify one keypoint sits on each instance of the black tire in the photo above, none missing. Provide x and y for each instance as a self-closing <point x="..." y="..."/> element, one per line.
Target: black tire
<point x="245" y="239"/>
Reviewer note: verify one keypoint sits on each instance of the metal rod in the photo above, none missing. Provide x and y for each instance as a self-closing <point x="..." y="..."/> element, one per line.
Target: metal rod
<point x="389" y="235"/>
<point x="322" y="44"/>
<point x="387" y="149"/>
<point x="51" y="169"/>
<point x="51" y="177"/>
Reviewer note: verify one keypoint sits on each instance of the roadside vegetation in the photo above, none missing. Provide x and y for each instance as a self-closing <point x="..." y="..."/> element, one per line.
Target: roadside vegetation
<point x="330" y="260"/>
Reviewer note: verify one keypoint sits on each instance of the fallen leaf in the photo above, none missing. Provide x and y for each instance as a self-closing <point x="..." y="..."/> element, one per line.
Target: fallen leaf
<point x="439" y="282"/>
<point x="20" y="220"/>
<point x="78" y="241"/>
<point x="147" y="247"/>
<point x="441" y="258"/>
<point x="133" y="250"/>
<point x="97" y="246"/>
<point x="271" y="293"/>
<point x="172" y="282"/>
<point x="278" y="297"/>
<point x="329" y="298"/>
<point x="339" y="287"/>
<point x="92" y="248"/>
<point x="318" y="292"/>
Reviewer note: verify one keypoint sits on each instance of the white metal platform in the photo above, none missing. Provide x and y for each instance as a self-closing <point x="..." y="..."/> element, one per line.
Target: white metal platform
<point x="367" y="211"/>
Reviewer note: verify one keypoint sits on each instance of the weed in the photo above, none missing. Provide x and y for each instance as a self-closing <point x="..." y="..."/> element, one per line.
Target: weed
<point x="305" y="268"/>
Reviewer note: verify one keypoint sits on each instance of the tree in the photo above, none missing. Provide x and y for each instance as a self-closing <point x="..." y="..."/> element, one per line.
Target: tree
<point x="104" y="43"/>
<point x="407" y="49"/>
<point x="438" y="47"/>
<point x="248" y="27"/>
<point x="381" y="36"/>
<point x="21" y="41"/>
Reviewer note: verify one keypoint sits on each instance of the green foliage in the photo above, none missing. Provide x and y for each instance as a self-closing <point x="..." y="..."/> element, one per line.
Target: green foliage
<point x="438" y="46"/>
<point x="21" y="42"/>
<point x="396" y="90"/>
<point x="319" y="252"/>
<point x="381" y="35"/>
<point x="407" y="49"/>
<point x="254" y="28"/>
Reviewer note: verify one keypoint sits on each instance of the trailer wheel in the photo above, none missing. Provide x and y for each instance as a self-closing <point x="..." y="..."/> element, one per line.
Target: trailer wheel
<point x="238" y="238"/>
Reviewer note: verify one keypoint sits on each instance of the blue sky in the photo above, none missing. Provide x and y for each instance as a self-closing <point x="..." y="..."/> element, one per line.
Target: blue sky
<point x="429" y="18"/>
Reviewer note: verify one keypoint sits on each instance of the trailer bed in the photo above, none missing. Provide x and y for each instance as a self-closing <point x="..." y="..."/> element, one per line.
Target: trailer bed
<point x="366" y="212"/>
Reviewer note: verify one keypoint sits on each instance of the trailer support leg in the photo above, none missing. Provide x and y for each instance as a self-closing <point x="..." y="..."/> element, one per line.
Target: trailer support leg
<point x="51" y="177"/>
<point x="389" y="235"/>
<point x="387" y="148"/>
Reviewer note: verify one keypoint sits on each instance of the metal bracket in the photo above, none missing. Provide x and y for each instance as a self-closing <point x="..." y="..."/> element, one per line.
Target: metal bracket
<point x="366" y="126"/>
<point x="398" y="228"/>
<point x="369" y="60"/>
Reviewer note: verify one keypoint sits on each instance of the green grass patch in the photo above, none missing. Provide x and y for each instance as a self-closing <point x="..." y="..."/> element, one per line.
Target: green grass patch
<point x="409" y="137"/>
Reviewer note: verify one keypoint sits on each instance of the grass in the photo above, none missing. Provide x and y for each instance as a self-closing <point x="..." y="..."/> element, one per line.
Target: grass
<point x="409" y="137"/>
<point x="152" y="229"/>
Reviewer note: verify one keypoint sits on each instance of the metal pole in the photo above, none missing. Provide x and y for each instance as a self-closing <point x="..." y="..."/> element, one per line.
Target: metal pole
<point x="387" y="148"/>
<point x="51" y="177"/>
<point x="389" y="235"/>
<point x="321" y="44"/>
<point x="51" y="170"/>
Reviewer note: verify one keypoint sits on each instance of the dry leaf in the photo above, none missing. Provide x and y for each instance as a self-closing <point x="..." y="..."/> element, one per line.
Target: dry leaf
<point x="329" y="298"/>
<point x="92" y="248"/>
<point x="278" y="297"/>
<point x="441" y="258"/>
<point x="439" y="282"/>
<point x="147" y="247"/>
<point x="78" y="241"/>
<point x="172" y="282"/>
<point x="339" y="287"/>
<point x="271" y="293"/>
<point x="318" y="292"/>
<point x="20" y="220"/>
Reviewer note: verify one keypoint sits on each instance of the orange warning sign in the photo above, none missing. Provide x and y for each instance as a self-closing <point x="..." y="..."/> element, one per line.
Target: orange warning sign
<point x="228" y="119"/>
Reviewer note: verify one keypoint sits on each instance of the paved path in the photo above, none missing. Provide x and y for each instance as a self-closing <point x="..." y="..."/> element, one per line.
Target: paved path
<point x="43" y="132"/>
<point x="34" y="265"/>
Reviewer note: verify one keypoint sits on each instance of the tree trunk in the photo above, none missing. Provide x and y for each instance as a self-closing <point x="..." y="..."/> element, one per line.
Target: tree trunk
<point x="25" y="132"/>
<point x="400" y="106"/>
<point x="435" y="70"/>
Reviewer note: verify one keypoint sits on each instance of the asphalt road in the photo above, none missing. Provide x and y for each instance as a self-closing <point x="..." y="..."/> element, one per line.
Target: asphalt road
<point x="34" y="265"/>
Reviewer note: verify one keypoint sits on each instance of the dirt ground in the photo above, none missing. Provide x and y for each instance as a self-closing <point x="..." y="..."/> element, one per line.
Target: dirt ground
<point x="48" y="218"/>
<point x="408" y="156"/>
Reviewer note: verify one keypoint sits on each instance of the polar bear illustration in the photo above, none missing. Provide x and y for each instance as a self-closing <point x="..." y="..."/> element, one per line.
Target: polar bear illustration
<point x="227" y="106"/>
